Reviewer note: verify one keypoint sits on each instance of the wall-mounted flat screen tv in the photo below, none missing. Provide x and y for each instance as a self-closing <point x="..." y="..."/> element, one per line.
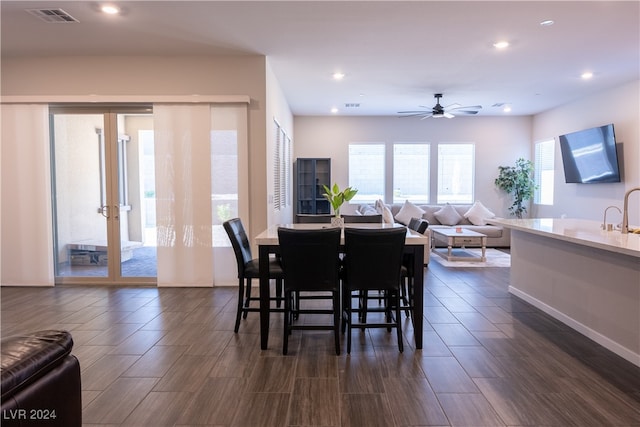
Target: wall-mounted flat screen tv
<point x="590" y="156"/>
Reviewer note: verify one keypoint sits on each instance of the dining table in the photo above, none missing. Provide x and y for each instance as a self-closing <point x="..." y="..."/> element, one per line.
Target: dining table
<point x="267" y="242"/>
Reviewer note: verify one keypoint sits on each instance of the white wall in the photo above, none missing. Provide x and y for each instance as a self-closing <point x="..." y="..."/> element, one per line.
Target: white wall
<point x="498" y="140"/>
<point x="277" y="109"/>
<point x="139" y="75"/>
<point x="620" y="106"/>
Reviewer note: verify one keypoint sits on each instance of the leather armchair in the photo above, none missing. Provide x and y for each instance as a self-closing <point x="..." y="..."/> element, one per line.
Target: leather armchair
<point x="40" y="380"/>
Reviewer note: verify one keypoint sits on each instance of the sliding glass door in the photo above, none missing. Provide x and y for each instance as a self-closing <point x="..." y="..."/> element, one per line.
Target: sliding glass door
<point x="103" y="195"/>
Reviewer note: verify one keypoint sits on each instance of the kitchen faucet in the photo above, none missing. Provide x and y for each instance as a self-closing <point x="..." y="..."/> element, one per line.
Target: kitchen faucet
<point x="604" y="220"/>
<point x="625" y="209"/>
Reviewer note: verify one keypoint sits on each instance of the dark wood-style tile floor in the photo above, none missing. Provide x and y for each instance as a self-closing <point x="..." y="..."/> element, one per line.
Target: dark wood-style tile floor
<point x="169" y="357"/>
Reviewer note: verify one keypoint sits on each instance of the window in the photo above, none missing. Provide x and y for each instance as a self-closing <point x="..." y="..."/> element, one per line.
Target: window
<point x="455" y="173"/>
<point x="367" y="171"/>
<point x="224" y="176"/>
<point x="411" y="173"/>
<point x="281" y="168"/>
<point x="544" y="172"/>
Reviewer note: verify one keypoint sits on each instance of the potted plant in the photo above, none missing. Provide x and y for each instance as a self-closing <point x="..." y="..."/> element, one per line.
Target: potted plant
<point x="337" y="198"/>
<point x="518" y="181"/>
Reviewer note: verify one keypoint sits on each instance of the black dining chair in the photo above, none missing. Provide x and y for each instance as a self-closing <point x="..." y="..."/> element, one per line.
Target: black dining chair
<point x="406" y="291"/>
<point x="249" y="268"/>
<point x="313" y="218"/>
<point x="372" y="262"/>
<point x="362" y="219"/>
<point x="311" y="264"/>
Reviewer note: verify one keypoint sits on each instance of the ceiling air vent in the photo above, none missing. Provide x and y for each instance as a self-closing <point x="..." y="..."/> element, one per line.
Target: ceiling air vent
<point x="352" y="105"/>
<point x="54" y="16"/>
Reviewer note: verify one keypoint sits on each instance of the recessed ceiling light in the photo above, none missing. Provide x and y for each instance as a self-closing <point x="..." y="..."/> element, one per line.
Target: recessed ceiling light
<point x="501" y="44"/>
<point x="547" y="23"/>
<point x="110" y="9"/>
<point x="338" y="76"/>
<point x="586" y="75"/>
<point x="334" y="110"/>
<point x="507" y="108"/>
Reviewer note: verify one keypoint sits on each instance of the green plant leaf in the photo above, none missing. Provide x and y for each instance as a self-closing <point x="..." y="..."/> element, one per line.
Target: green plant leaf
<point x="336" y="197"/>
<point x="518" y="181"/>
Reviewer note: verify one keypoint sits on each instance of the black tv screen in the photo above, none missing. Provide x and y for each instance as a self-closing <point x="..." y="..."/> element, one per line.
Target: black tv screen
<point x="590" y="156"/>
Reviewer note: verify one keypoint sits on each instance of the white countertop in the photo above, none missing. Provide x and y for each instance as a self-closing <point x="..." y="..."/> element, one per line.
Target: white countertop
<point x="579" y="231"/>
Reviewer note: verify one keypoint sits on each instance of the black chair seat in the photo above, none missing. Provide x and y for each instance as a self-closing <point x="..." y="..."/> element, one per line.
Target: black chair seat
<point x="248" y="269"/>
<point x="252" y="269"/>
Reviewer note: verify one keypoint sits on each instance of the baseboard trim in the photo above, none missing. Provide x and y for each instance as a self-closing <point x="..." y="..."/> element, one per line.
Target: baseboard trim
<point x="604" y="341"/>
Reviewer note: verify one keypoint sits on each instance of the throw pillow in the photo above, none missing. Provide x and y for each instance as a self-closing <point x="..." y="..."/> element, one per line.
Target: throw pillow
<point x="408" y="211"/>
<point x="387" y="216"/>
<point x="478" y="214"/>
<point x="367" y="210"/>
<point x="448" y="215"/>
<point x="379" y="205"/>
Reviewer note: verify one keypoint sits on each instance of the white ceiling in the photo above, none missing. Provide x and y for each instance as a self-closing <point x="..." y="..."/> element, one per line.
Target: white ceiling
<point x="396" y="54"/>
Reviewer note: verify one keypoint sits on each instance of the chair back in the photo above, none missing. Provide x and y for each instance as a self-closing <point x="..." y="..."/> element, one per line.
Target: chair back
<point x="240" y="243"/>
<point x="359" y="219"/>
<point x="310" y="258"/>
<point x="373" y="257"/>
<point x="418" y="224"/>
<point x="313" y="218"/>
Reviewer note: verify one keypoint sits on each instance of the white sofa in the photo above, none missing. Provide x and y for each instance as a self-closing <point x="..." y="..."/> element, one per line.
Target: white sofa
<point x="497" y="236"/>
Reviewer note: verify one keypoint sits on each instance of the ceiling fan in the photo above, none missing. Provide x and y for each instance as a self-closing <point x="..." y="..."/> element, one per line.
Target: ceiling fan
<point x="450" y="111"/>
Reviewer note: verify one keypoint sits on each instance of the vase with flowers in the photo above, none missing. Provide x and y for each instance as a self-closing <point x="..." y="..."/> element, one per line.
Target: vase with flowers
<point x="337" y="197"/>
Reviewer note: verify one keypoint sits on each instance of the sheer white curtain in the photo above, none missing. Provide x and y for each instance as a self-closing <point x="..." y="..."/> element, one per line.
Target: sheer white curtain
<point x="183" y="194"/>
<point x="25" y="202"/>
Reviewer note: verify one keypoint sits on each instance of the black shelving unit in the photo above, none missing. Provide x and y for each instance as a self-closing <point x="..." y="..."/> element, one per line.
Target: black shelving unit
<point x="311" y="174"/>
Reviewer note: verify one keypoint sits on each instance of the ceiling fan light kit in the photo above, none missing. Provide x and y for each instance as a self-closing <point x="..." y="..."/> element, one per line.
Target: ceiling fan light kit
<point x="438" y="111"/>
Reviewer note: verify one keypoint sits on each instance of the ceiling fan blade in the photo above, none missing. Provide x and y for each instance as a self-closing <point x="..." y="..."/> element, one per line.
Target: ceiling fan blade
<point x="452" y="106"/>
<point x="427" y="116"/>
<point x="466" y="112"/>
<point x="469" y="107"/>
<point x="414" y="112"/>
<point x="448" y="115"/>
<point x="420" y="114"/>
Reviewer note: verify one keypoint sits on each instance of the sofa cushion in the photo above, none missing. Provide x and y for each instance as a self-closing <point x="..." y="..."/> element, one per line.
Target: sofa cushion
<point x="408" y="211"/>
<point x="490" y="231"/>
<point x="448" y="215"/>
<point x="478" y="214"/>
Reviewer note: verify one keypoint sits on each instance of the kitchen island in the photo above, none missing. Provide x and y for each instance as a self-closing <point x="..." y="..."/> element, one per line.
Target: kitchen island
<point x="584" y="276"/>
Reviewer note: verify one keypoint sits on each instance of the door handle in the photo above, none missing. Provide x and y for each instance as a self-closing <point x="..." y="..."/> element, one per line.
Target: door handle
<point x="117" y="210"/>
<point x="104" y="211"/>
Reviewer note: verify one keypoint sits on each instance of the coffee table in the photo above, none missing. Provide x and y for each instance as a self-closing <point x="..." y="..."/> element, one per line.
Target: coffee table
<point x="459" y="238"/>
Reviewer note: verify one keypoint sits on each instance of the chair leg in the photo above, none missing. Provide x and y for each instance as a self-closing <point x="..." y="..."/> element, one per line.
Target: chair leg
<point x="240" y="304"/>
<point x="390" y="298"/>
<point x="349" y="318"/>
<point x="287" y="320"/>
<point x="405" y="291"/>
<point x="336" y="320"/>
<point x="278" y="292"/>
<point x="399" y="323"/>
<point x="344" y="312"/>
<point x="247" y="300"/>
<point x="296" y="305"/>
<point x="363" y="307"/>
